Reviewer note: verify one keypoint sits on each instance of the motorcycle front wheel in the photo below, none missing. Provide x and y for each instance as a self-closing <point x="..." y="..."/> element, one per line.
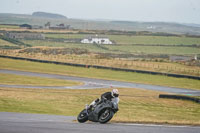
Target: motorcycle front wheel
<point x="106" y="116"/>
<point x="82" y="117"/>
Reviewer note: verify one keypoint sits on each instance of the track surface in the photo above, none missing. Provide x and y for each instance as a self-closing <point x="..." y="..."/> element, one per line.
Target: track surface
<point x="91" y="83"/>
<point x="36" y="123"/>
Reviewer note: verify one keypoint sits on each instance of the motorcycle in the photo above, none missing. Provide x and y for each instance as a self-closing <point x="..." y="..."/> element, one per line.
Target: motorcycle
<point x="101" y="112"/>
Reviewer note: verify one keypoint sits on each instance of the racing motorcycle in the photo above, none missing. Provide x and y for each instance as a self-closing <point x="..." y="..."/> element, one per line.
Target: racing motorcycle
<point x="101" y="112"/>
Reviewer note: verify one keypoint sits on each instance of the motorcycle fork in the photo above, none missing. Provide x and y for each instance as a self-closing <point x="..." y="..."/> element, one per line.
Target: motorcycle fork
<point x="86" y="108"/>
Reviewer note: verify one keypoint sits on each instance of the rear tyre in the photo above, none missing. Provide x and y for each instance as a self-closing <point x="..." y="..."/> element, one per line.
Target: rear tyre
<point x="106" y="116"/>
<point x="82" y="117"/>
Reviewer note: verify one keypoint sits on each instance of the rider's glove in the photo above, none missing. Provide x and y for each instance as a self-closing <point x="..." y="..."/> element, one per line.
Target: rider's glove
<point x="117" y="109"/>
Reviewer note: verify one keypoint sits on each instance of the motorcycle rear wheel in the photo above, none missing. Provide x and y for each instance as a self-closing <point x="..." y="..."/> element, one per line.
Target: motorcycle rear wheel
<point x="106" y="116"/>
<point x="82" y="117"/>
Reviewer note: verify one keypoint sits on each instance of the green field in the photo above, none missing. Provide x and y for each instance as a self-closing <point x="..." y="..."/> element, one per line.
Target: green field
<point x="67" y="36"/>
<point x="9" y="26"/>
<point x="126" y="44"/>
<point x="99" y="73"/>
<point x="6" y="43"/>
<point x="119" y="49"/>
<point x="125" y="39"/>
<point x="90" y="47"/>
<point x="154" y="49"/>
<point x="148" y="50"/>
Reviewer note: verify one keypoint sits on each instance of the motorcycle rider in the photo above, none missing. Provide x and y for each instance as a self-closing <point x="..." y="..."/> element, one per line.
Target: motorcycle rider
<point x="111" y="96"/>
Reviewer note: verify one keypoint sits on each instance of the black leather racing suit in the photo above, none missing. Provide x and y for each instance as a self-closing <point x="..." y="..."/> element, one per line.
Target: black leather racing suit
<point x="107" y="95"/>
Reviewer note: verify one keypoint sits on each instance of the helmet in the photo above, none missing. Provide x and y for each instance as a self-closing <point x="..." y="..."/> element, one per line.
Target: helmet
<point x="115" y="93"/>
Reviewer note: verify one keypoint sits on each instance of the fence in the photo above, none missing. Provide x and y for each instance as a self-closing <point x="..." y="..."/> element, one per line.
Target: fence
<point x="104" y="67"/>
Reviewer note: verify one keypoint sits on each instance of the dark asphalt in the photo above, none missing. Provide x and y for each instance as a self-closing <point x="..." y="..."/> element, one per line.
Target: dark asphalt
<point x="91" y="83"/>
<point x="36" y="123"/>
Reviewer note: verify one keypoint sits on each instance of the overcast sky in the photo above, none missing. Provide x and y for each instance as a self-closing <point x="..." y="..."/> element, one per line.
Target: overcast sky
<point x="184" y="11"/>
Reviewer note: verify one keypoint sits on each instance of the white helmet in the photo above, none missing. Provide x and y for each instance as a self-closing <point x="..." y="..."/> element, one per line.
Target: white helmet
<point x="115" y="93"/>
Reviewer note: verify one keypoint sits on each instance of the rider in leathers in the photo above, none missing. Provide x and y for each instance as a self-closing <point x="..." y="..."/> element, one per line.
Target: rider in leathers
<point x="111" y="96"/>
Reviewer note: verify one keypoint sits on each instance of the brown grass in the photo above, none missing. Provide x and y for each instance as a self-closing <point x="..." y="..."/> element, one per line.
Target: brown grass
<point x="136" y="105"/>
<point x="166" y="67"/>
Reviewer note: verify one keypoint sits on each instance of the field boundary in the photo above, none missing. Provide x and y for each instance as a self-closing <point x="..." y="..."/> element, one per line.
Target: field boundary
<point x="197" y="100"/>
<point x="103" y="67"/>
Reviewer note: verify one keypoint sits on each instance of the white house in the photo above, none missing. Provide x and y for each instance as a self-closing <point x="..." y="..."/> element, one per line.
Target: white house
<point x="96" y="40"/>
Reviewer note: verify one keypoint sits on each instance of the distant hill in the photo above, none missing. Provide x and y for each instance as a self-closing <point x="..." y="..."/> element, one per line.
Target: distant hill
<point x="41" y="18"/>
<point x="194" y="25"/>
<point x="48" y="15"/>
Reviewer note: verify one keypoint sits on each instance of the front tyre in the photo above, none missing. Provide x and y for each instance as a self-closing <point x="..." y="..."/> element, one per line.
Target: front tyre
<point x="106" y="116"/>
<point x="82" y="117"/>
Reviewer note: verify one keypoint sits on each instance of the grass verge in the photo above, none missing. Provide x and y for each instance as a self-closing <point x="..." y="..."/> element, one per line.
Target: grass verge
<point x="156" y="65"/>
<point x="136" y="105"/>
<point x="99" y="73"/>
<point x="12" y="79"/>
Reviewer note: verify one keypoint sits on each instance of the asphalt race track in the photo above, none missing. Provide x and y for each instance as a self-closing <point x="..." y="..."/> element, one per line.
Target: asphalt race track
<point x="40" y="123"/>
<point x="91" y="83"/>
<point x="36" y="123"/>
